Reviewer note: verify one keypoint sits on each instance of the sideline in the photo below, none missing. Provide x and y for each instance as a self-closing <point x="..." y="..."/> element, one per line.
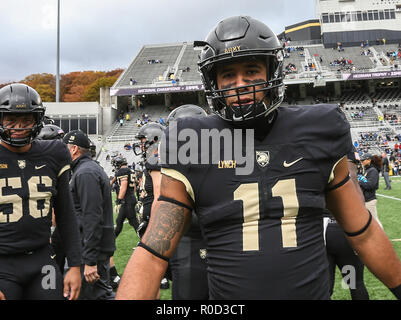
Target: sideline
<point x="393" y="198"/>
<point x="388" y="197"/>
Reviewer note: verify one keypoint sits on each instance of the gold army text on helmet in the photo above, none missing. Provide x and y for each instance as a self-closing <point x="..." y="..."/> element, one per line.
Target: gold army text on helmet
<point x="232" y="40"/>
<point x="19" y="98"/>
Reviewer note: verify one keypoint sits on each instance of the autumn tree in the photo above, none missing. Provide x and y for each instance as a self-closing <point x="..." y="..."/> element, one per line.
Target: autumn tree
<point x="44" y="84"/>
<point x="74" y="86"/>
<point x="114" y="73"/>
<point x="92" y="93"/>
<point x="46" y="92"/>
<point x="34" y="80"/>
<point x="75" y="94"/>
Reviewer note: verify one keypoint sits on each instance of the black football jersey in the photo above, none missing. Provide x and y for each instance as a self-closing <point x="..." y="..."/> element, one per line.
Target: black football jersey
<point x="27" y="190"/>
<point x="130" y="175"/>
<point x="147" y="183"/>
<point x="264" y="229"/>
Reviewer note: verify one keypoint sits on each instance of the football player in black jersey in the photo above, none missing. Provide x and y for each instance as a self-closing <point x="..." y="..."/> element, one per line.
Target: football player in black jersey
<point x="149" y="135"/>
<point x="261" y="214"/>
<point x="125" y="187"/>
<point x="126" y="197"/>
<point x="34" y="177"/>
<point x="188" y="263"/>
<point x="52" y="132"/>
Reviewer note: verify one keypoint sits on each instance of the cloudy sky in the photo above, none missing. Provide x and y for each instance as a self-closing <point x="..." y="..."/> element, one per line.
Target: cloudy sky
<point x="107" y="34"/>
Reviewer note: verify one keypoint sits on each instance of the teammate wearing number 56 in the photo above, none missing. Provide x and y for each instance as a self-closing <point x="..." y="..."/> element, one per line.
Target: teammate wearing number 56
<point x="262" y="225"/>
<point x="34" y="178"/>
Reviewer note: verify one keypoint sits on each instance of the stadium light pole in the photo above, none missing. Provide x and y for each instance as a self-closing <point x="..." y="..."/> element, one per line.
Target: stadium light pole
<point x="58" y="54"/>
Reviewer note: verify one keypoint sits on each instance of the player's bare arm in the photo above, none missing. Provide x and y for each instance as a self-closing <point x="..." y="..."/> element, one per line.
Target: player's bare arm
<point x="113" y="181"/>
<point x="368" y="239"/>
<point x="123" y="188"/>
<point x="168" y="221"/>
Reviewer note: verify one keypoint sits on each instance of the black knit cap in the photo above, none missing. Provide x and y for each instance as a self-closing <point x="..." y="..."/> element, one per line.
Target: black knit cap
<point x="78" y="138"/>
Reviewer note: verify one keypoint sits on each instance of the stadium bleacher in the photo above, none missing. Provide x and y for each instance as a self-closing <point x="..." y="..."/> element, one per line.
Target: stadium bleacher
<point x="188" y="65"/>
<point x="151" y="63"/>
<point x="361" y="62"/>
<point x="178" y="61"/>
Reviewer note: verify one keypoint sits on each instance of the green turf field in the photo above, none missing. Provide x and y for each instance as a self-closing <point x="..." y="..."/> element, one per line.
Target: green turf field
<point x="389" y="209"/>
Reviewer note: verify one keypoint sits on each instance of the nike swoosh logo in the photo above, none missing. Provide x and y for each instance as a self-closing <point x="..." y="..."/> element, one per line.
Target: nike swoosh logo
<point x="40" y="167"/>
<point x="287" y="165"/>
<point x="53" y="256"/>
<point x="241" y="118"/>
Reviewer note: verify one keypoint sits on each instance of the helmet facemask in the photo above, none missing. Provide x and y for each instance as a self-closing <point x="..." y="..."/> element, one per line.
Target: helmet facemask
<point x="32" y="132"/>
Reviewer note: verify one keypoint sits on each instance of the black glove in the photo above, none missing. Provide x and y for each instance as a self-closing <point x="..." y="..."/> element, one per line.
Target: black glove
<point x="120" y="201"/>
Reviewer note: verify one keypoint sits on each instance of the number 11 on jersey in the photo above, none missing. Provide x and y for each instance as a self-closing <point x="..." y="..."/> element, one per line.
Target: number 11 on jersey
<point x="249" y="195"/>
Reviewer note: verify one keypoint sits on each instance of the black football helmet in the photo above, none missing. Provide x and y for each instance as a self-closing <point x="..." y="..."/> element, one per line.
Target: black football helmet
<point x="119" y="161"/>
<point x="232" y="40"/>
<point x="50" y="132"/>
<point x="20" y="99"/>
<point x="186" y="110"/>
<point x="150" y="135"/>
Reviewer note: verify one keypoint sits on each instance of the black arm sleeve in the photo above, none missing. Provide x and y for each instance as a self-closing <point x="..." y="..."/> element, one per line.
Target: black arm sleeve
<point x="66" y="221"/>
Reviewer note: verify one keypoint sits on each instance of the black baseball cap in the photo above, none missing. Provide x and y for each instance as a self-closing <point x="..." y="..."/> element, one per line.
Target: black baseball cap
<point x="78" y="138"/>
<point x="366" y="156"/>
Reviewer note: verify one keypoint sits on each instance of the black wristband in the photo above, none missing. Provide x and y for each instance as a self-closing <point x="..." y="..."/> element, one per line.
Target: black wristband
<point x="357" y="233"/>
<point x="397" y="292"/>
<point x="141" y="244"/>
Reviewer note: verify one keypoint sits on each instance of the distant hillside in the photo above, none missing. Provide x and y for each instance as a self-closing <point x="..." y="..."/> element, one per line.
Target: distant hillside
<point x="74" y="86"/>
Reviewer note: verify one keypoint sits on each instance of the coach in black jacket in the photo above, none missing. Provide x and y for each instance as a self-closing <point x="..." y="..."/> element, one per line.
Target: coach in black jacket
<point x="91" y="192"/>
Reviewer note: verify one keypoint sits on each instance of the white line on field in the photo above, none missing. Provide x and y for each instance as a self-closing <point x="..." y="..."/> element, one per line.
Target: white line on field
<point x="388" y="197"/>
